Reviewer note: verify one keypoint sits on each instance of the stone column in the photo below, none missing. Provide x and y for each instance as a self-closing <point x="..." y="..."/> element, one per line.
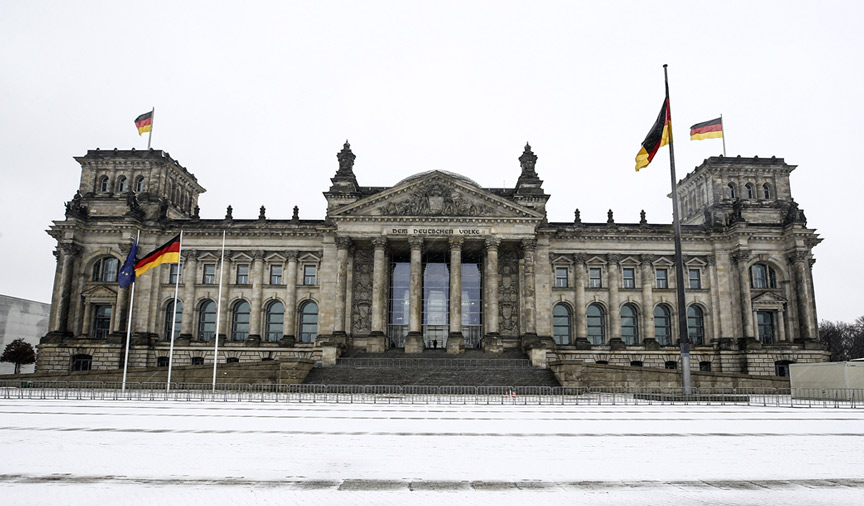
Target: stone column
<point x="647" y="270"/>
<point x="414" y="339"/>
<point x="741" y="257"/>
<point x="290" y="298"/>
<point x="63" y="287"/>
<point x="189" y="273"/>
<point x="377" y="340"/>
<point x="714" y="287"/>
<point x="256" y="311"/>
<point x="223" y="272"/>
<point x="492" y="341"/>
<point x="614" y="302"/>
<point x="806" y="313"/>
<point x="121" y="307"/>
<point x="455" y="340"/>
<point x="581" y="317"/>
<point x="342" y="245"/>
<point x="529" y="305"/>
<point x="781" y="327"/>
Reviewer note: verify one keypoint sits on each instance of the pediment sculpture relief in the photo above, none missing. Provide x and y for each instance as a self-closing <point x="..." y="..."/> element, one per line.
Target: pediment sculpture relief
<point x="437" y="199"/>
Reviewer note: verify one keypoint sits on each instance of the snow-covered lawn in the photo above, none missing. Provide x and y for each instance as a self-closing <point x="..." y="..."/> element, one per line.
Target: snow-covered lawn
<point x="86" y="452"/>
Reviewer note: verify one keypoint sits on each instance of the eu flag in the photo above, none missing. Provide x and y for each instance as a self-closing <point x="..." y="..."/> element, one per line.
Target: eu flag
<point x="127" y="273"/>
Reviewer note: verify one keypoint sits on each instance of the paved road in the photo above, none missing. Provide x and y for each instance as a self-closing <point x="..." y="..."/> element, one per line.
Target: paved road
<point x="257" y="453"/>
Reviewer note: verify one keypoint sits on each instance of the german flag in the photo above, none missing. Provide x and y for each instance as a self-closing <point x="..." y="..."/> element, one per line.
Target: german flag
<point x="168" y="253"/>
<point x="144" y="122"/>
<point x="707" y="130"/>
<point x="657" y="137"/>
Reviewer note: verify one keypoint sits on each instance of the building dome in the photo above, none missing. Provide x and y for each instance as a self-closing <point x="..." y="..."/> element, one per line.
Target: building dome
<point x="451" y="174"/>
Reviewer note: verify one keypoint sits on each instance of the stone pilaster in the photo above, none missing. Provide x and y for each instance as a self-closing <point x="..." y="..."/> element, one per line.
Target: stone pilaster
<point x="714" y="287"/>
<point x="741" y="258"/>
<point x="189" y="273"/>
<point x="529" y="305"/>
<point x="647" y="269"/>
<point x="255" y="316"/>
<point x="806" y="313"/>
<point x="581" y="316"/>
<point x="291" y="296"/>
<point x="614" y="299"/>
<point x="342" y="245"/>
<point x="414" y="339"/>
<point x="63" y="289"/>
<point x="455" y="340"/>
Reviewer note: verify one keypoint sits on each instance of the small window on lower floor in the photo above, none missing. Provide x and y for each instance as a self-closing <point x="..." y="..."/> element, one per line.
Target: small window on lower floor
<point x="82" y="362"/>
<point x="781" y="368"/>
<point x="705" y="366"/>
<point x="636" y="363"/>
<point x="602" y="362"/>
<point x="162" y="362"/>
<point x="671" y="364"/>
<point x="232" y="360"/>
<point x="197" y="360"/>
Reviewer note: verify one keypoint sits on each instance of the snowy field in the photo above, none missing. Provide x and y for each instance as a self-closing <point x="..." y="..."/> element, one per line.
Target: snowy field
<point x="143" y="453"/>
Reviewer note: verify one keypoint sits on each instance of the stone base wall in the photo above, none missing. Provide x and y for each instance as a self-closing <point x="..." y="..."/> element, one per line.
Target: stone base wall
<point x="283" y="372"/>
<point x="571" y="373"/>
<point x="57" y="358"/>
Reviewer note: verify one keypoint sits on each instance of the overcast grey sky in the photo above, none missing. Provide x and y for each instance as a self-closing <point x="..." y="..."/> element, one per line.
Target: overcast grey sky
<point x="257" y="98"/>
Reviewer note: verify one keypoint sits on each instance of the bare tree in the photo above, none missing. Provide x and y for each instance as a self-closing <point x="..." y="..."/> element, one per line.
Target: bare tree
<point x="845" y="341"/>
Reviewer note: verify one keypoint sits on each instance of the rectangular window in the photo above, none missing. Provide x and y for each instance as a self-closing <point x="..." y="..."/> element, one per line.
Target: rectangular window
<point x="662" y="278"/>
<point x="174" y="273"/>
<point x="561" y="277"/>
<point x="242" y="274"/>
<point x="695" y="279"/>
<point x="594" y="278"/>
<point x="765" y="322"/>
<point x="101" y="321"/>
<point x="309" y="272"/>
<point x="209" y="274"/>
<point x="629" y="274"/>
<point x="275" y="274"/>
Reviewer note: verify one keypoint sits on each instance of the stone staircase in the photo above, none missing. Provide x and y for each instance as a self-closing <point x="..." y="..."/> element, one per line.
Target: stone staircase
<point x="433" y="368"/>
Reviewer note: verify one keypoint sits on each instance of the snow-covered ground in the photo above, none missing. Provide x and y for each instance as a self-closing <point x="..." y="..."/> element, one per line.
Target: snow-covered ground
<point x="217" y="453"/>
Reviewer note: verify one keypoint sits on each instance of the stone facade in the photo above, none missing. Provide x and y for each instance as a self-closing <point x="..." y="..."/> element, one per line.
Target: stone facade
<point x="435" y="261"/>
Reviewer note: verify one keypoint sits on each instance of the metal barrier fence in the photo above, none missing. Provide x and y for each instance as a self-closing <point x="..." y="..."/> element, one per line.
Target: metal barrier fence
<point x="429" y="395"/>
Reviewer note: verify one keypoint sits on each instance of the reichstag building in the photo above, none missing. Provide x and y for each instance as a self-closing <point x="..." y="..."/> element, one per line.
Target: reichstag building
<point x="433" y="262"/>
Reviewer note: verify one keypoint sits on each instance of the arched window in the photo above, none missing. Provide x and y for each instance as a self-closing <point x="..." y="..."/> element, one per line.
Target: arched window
<point x="105" y="270"/>
<point x="695" y="325"/>
<point x="240" y="321"/>
<point x="308" y="322"/>
<point x="766" y="191"/>
<point x="275" y="319"/>
<point x="762" y="276"/>
<point x="122" y="187"/>
<point x="561" y="324"/>
<point x="82" y="362"/>
<point x="748" y="191"/>
<point x="730" y="192"/>
<point x="629" y="324"/>
<point x="596" y="324"/>
<point x="663" y="325"/>
<point x="207" y="321"/>
<point x="139" y="184"/>
<point x="169" y="312"/>
<point x="102" y="185"/>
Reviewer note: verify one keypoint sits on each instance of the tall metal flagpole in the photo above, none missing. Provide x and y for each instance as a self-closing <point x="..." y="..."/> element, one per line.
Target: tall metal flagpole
<point x="174" y="311"/>
<point x="679" y="259"/>
<point x="218" y="311"/>
<point x="152" y="121"/>
<point x="129" y="327"/>
<point x="723" y="129"/>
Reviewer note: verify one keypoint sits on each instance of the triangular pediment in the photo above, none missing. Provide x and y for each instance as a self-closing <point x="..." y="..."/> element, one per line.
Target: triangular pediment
<point x="436" y="194"/>
<point x="768" y="298"/>
<point x="99" y="293"/>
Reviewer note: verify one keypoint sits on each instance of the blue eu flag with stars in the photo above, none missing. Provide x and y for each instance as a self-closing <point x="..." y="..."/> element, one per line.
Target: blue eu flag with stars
<point x="127" y="273"/>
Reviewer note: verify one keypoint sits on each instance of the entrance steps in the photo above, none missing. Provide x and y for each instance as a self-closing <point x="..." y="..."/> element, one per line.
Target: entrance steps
<point x="433" y="368"/>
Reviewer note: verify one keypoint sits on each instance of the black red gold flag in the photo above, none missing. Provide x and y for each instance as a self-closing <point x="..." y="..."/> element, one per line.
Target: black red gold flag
<point x="168" y="253"/>
<point x="711" y="129"/>
<point x="657" y="137"/>
<point x="144" y="122"/>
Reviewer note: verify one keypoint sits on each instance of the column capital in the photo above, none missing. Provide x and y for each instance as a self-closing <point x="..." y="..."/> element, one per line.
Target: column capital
<point x="344" y="242"/>
<point x="613" y="258"/>
<point x="647" y="260"/>
<point x="711" y="259"/>
<point x="258" y="254"/>
<point x="492" y="242"/>
<point x="580" y="258"/>
<point x="70" y="249"/>
<point x="741" y="255"/>
<point x="415" y="242"/>
<point x="292" y="254"/>
<point x="190" y="254"/>
<point x="529" y="244"/>
<point x="797" y="256"/>
<point x="379" y="242"/>
<point x="456" y="242"/>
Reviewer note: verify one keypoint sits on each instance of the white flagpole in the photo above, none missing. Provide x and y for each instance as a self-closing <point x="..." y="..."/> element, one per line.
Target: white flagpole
<point x="174" y="312"/>
<point x="218" y="311"/>
<point x="723" y="129"/>
<point x="129" y="326"/>
<point x="152" y="121"/>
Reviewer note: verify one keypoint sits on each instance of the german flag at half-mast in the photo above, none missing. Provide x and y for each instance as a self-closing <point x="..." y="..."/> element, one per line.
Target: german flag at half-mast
<point x="712" y="129"/>
<point x="144" y="122"/>
<point x="168" y="253"/>
<point x="657" y="137"/>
